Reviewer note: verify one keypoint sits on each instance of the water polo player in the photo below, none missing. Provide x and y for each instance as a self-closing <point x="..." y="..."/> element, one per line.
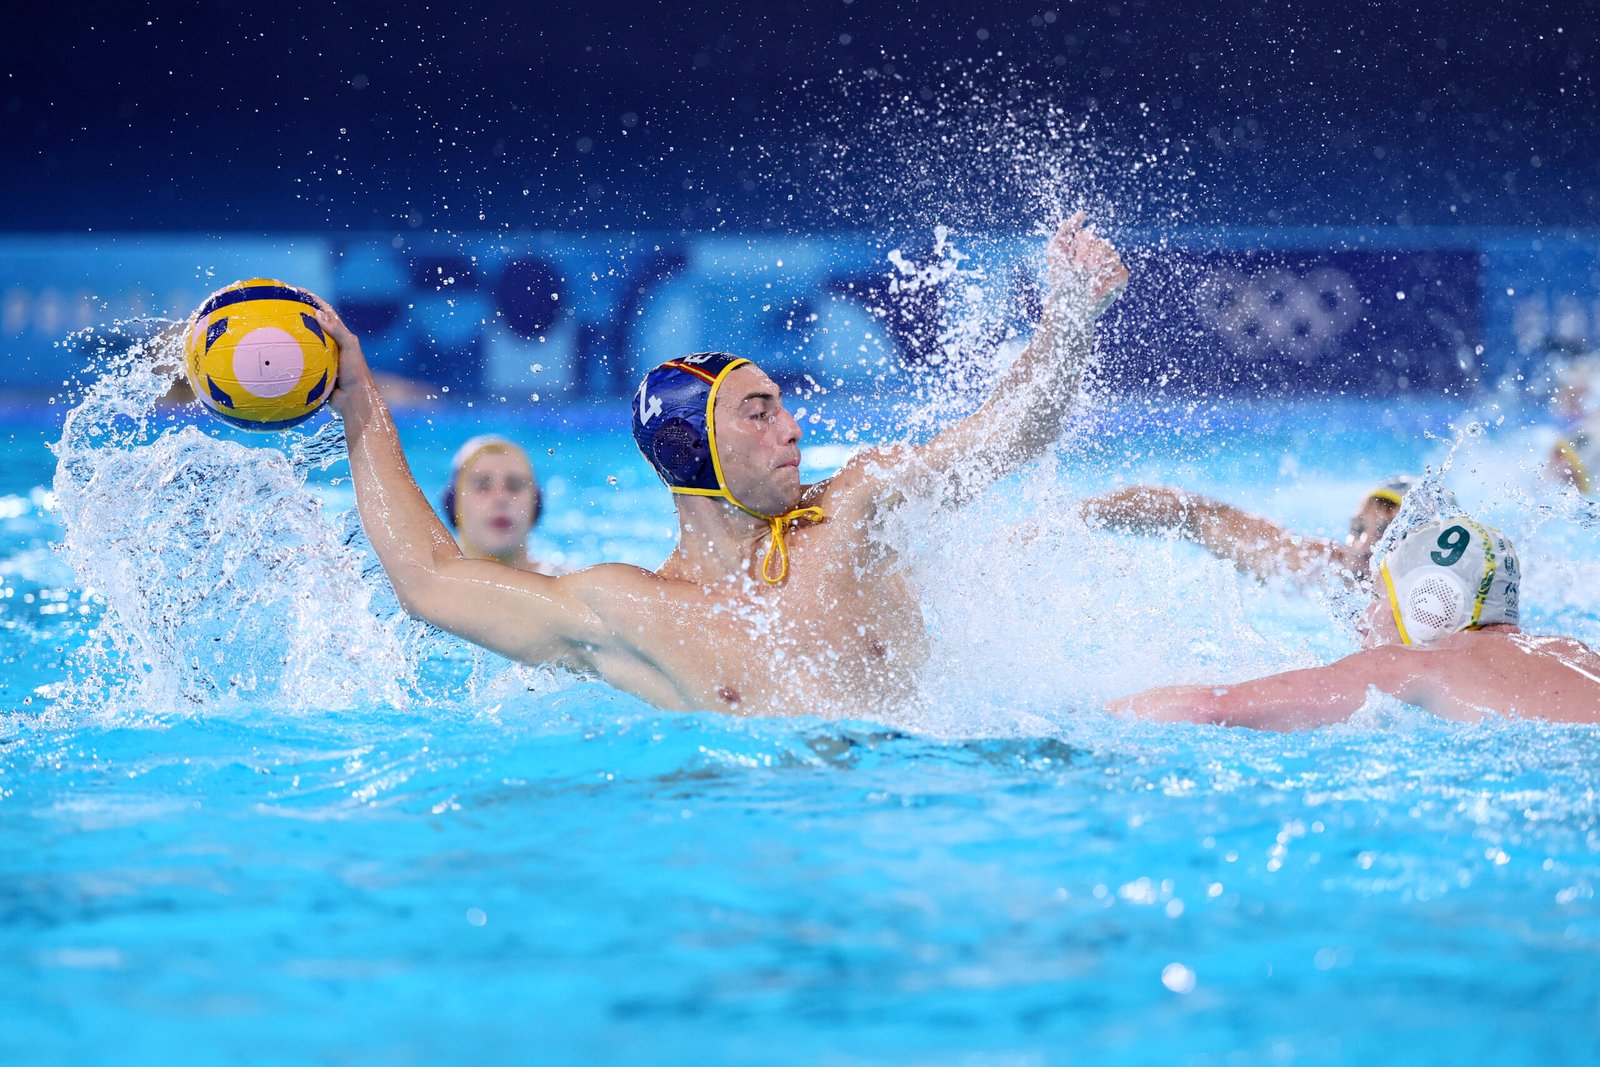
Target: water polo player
<point x="761" y="607"/>
<point x="492" y="501"/>
<point x="1256" y="545"/>
<point x="1576" y="459"/>
<point x="1441" y="633"/>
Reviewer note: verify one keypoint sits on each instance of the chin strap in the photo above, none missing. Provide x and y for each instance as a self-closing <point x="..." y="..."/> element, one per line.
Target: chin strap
<point x="778" y="550"/>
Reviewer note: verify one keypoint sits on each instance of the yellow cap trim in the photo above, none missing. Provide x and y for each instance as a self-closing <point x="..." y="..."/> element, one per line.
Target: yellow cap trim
<point x="1487" y="581"/>
<point x="1394" y="602"/>
<point x="1580" y="473"/>
<point x="711" y="423"/>
<point x="1385" y="494"/>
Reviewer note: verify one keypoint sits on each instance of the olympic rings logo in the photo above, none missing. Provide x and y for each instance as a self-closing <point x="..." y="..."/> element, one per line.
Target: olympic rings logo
<point x="1279" y="311"/>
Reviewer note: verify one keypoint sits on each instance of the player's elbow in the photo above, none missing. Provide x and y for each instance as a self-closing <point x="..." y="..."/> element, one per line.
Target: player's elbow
<point x="422" y="592"/>
<point x="423" y="584"/>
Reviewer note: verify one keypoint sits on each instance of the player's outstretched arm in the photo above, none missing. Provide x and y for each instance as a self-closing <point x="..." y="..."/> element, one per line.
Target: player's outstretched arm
<point x="1293" y="700"/>
<point x="1259" y="546"/>
<point x="1024" y="414"/>
<point x="529" y="617"/>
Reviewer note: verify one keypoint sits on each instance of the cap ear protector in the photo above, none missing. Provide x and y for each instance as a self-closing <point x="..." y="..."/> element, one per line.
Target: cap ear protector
<point x="1429" y="605"/>
<point x="681" y="452"/>
<point x="673" y="422"/>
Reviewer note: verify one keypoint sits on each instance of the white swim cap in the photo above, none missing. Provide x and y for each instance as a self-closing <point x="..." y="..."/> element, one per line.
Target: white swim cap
<point x="1451" y="574"/>
<point x="1582" y="453"/>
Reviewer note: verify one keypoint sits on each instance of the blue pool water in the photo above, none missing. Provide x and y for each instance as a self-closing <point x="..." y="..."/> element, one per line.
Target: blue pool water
<point x="249" y="814"/>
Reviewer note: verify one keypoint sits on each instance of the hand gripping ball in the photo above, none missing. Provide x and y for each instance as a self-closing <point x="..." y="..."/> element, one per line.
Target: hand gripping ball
<point x="257" y="356"/>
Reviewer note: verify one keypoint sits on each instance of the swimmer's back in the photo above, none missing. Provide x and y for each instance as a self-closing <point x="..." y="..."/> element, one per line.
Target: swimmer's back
<point x="1503" y="671"/>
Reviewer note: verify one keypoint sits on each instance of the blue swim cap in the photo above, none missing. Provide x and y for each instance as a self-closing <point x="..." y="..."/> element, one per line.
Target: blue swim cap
<point x="672" y="420"/>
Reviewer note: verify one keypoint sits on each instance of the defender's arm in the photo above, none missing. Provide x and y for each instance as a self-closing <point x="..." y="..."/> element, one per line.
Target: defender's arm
<point x="1293" y="700"/>
<point x="1257" y="545"/>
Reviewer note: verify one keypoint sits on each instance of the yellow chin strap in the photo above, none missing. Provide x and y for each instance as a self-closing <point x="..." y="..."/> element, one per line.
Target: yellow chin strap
<point x="777" y="549"/>
<point x="778" y="524"/>
<point x="1394" y="603"/>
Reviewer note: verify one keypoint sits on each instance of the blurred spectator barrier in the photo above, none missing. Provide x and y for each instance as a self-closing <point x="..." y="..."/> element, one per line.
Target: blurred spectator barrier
<point x="566" y="316"/>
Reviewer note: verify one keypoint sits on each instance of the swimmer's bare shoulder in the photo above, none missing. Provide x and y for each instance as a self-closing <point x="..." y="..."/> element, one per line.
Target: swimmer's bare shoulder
<point x="1461" y="677"/>
<point x="862" y="485"/>
<point x="1556" y="678"/>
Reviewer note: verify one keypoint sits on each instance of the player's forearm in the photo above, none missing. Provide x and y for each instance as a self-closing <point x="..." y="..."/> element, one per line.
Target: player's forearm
<point x="1025" y="413"/>
<point x="407" y="536"/>
<point x="1019" y="421"/>
<point x="1042" y="387"/>
<point x="1173" y="703"/>
<point x="1295" y="700"/>
<point x="1147" y="509"/>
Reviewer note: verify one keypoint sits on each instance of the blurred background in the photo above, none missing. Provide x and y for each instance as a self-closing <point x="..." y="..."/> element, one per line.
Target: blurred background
<point x="532" y="202"/>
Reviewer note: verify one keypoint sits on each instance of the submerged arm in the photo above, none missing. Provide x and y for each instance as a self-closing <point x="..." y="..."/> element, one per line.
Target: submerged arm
<point x="1024" y="414"/>
<point x="1257" y="545"/>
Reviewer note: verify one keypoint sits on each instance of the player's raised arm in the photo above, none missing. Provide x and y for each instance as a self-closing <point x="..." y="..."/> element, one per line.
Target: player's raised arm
<point x="1024" y="414"/>
<point x="1257" y="545"/>
<point x="526" y="616"/>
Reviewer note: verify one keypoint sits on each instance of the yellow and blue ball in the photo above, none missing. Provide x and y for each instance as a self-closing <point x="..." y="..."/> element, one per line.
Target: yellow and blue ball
<point x="258" y="358"/>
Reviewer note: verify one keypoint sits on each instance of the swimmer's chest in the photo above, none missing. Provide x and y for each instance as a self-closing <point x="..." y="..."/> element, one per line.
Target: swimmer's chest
<point x="830" y="592"/>
<point x="825" y="634"/>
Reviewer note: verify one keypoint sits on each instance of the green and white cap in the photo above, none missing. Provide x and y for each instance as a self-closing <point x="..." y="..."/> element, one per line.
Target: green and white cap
<point x="1451" y="574"/>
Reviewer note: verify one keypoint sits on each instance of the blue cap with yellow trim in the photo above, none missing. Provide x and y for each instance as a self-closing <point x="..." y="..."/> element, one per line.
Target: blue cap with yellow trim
<point x="672" y="422"/>
<point x="674" y="426"/>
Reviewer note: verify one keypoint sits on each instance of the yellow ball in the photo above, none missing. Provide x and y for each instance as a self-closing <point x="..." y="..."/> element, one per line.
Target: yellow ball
<point x="257" y="356"/>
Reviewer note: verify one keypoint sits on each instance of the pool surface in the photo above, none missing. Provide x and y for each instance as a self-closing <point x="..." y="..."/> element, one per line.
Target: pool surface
<point x="249" y="814"/>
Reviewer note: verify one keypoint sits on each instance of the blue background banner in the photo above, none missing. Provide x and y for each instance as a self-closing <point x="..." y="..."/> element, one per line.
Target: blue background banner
<point x="562" y="316"/>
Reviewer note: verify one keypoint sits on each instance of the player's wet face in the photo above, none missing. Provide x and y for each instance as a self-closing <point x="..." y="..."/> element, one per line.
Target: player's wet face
<point x="758" y="442"/>
<point x="1367" y="527"/>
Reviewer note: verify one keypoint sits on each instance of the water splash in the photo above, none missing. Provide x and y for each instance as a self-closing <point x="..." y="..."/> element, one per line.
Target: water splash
<point x="223" y="581"/>
<point x="978" y="145"/>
